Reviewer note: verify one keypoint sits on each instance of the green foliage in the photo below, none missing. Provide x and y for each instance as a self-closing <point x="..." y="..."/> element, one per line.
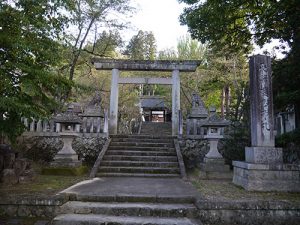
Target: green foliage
<point x="142" y="46"/>
<point x="234" y="144"/>
<point x="233" y="25"/>
<point x="291" y="137"/>
<point x="28" y="61"/>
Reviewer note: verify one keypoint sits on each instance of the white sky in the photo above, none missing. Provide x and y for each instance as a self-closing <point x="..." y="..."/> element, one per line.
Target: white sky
<point x="160" y="17"/>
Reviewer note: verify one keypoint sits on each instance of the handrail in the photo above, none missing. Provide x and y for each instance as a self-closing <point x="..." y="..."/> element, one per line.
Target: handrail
<point x="99" y="159"/>
<point x="180" y="160"/>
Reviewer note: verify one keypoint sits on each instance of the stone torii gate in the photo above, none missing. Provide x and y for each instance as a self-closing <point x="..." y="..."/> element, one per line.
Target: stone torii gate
<point x="144" y="65"/>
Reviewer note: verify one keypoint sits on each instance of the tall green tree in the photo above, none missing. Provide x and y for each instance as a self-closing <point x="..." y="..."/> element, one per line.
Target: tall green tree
<point x="29" y="47"/>
<point x="142" y="46"/>
<point x="235" y="24"/>
<point x="88" y="16"/>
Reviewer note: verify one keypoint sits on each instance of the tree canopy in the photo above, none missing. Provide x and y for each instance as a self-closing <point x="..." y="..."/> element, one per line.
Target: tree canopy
<point x="234" y="25"/>
<point x="237" y="23"/>
<point x="28" y="61"/>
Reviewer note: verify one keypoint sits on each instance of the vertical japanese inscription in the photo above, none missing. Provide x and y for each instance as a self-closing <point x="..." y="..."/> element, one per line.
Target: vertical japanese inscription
<point x="264" y="97"/>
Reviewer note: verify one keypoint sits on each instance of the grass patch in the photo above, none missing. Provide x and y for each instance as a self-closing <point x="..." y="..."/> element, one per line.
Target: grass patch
<point x="226" y="190"/>
<point x="65" y="171"/>
<point x="42" y="185"/>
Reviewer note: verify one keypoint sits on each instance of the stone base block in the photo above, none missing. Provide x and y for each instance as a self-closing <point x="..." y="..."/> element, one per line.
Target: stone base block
<point x="66" y="163"/>
<point x="261" y="155"/>
<point x="211" y="167"/>
<point x="214" y="168"/>
<point x="67" y="157"/>
<point x="210" y="175"/>
<point x="267" y="177"/>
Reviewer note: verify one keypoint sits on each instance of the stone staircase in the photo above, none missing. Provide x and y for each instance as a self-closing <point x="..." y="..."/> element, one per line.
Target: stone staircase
<point x="163" y="211"/>
<point x="140" y="156"/>
<point x="157" y="128"/>
<point x="142" y="186"/>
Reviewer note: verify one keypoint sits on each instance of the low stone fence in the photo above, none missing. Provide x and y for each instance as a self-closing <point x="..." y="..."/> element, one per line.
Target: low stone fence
<point x="31" y="206"/>
<point x="92" y="126"/>
<point x="248" y="212"/>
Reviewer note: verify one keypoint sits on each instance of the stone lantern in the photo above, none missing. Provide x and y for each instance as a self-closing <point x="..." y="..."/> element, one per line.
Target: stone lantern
<point x="197" y="117"/>
<point x="67" y="157"/>
<point x="214" y="166"/>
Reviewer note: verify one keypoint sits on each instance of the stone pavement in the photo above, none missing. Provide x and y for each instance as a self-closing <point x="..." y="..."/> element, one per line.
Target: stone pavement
<point x="114" y="187"/>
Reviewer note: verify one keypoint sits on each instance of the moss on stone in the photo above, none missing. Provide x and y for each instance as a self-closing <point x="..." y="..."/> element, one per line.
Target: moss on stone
<point x="65" y="171"/>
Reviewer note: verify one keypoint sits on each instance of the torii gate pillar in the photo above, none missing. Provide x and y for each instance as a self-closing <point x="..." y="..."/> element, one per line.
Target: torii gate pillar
<point x="175" y="101"/>
<point x="114" y="100"/>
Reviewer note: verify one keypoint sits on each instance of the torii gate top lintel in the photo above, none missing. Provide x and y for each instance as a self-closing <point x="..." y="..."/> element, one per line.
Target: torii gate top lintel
<point x="146" y="65"/>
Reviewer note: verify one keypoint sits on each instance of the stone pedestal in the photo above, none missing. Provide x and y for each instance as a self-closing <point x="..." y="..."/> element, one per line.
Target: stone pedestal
<point x="267" y="177"/>
<point x="263" y="169"/>
<point x="213" y="166"/>
<point x="66" y="157"/>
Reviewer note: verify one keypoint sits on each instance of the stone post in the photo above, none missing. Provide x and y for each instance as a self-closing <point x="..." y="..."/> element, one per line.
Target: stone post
<point x="264" y="169"/>
<point x="113" y="109"/>
<point x="175" y="101"/>
<point x="105" y="124"/>
<point x="261" y="108"/>
<point x="39" y="126"/>
<point x="32" y="125"/>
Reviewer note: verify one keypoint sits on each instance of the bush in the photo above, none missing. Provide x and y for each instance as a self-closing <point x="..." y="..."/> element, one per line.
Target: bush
<point x="290" y="142"/>
<point x="234" y="143"/>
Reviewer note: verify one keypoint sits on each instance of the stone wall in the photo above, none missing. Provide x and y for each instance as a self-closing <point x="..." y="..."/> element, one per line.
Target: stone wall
<point x="209" y="212"/>
<point x="248" y="212"/>
<point x="43" y="149"/>
<point x="30" y="207"/>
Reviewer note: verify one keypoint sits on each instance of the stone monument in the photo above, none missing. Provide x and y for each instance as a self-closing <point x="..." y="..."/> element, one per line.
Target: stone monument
<point x="263" y="169"/>
<point x="214" y="166"/>
<point x="67" y="157"/>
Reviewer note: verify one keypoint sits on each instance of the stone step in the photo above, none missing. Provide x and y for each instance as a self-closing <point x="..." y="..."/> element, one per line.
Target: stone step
<point x="93" y="219"/>
<point x="141" y="144"/>
<point x="140" y="158"/>
<point x="134" y="198"/>
<point x="139" y="164"/>
<point x="140" y="153"/>
<point x="138" y="136"/>
<point x="152" y="170"/>
<point x="149" y="175"/>
<point x="129" y="209"/>
<point x="136" y="148"/>
<point x="147" y="140"/>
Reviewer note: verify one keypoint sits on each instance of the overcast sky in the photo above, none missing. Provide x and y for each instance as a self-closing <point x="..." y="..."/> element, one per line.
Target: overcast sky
<point x="160" y="17"/>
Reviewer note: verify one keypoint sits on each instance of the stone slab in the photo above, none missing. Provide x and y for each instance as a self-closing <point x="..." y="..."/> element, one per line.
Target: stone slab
<point x="131" y="186"/>
<point x="260" y="177"/>
<point x="215" y="175"/>
<point x="146" y="65"/>
<point x="92" y="219"/>
<point x="219" y="161"/>
<point x="210" y="167"/>
<point x="268" y="155"/>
